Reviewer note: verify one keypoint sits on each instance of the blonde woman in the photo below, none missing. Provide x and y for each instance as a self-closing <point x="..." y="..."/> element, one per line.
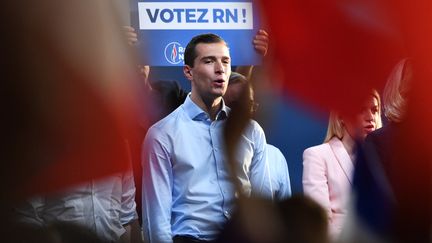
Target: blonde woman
<point x="327" y="168"/>
<point x="395" y="98"/>
<point x="383" y="151"/>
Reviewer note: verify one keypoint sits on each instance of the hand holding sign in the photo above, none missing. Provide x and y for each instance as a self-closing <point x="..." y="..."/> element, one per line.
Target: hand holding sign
<point x="131" y="35"/>
<point x="260" y="42"/>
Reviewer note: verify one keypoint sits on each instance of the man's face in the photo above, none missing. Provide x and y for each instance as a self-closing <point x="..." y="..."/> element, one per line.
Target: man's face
<point x="211" y="71"/>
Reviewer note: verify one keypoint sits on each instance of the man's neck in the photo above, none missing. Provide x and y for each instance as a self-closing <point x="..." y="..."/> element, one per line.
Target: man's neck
<point x="211" y="106"/>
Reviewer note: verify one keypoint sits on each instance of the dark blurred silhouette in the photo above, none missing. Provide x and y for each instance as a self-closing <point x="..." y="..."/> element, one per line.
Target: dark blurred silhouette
<point x="57" y="232"/>
<point x="68" y="94"/>
<point x="297" y="219"/>
<point x="278" y="167"/>
<point x="387" y="176"/>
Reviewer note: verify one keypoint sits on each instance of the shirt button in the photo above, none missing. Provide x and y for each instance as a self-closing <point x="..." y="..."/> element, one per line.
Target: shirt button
<point x="227" y="214"/>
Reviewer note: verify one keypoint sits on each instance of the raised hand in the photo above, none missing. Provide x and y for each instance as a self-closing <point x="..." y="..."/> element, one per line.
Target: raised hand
<point x="261" y="41"/>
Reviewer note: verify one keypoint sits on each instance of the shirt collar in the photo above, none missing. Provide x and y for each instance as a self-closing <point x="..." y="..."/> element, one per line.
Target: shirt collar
<point x="196" y="113"/>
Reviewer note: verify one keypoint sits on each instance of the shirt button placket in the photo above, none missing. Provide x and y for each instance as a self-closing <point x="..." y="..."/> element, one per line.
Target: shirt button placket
<point x="227" y="214"/>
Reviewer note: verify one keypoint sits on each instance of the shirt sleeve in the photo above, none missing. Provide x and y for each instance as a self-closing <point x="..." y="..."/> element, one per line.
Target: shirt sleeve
<point x="128" y="205"/>
<point x="259" y="171"/>
<point x="283" y="178"/>
<point x="29" y="212"/>
<point x="157" y="189"/>
<point x="315" y="183"/>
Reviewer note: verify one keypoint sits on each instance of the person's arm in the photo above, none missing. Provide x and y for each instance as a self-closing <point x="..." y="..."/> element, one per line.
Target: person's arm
<point x="30" y="212"/>
<point x="315" y="182"/>
<point x="283" y="178"/>
<point x="259" y="170"/>
<point x="260" y="43"/>
<point x="157" y="188"/>
<point x="128" y="214"/>
<point x="143" y="70"/>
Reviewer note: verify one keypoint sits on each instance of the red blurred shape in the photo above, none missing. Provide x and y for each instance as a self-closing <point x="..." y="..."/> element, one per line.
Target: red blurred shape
<point x="330" y="54"/>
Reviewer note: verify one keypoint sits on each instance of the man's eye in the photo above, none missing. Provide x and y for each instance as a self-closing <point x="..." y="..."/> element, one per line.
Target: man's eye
<point x="208" y="61"/>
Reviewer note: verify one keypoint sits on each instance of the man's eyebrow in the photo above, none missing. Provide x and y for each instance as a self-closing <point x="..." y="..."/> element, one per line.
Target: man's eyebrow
<point x="213" y="58"/>
<point x="208" y="57"/>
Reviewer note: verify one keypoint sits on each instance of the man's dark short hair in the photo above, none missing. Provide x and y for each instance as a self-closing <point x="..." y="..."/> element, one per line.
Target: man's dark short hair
<point x="190" y="51"/>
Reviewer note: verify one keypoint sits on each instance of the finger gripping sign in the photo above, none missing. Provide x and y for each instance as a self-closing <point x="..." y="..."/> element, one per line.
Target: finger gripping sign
<point x="165" y="28"/>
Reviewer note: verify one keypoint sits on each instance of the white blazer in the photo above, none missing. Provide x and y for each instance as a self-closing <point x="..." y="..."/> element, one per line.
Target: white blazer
<point x="327" y="178"/>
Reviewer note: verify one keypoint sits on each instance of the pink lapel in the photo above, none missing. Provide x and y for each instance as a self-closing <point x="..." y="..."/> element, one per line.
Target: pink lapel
<point x="342" y="157"/>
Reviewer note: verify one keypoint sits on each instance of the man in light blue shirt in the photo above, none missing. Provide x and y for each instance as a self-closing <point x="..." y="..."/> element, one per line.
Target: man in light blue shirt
<point x="187" y="189"/>
<point x="279" y="173"/>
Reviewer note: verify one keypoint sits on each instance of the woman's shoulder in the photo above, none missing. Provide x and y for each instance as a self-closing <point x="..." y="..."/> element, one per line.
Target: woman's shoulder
<point x="321" y="148"/>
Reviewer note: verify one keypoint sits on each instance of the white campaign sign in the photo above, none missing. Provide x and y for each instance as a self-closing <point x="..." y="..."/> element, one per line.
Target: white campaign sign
<point x="195" y="15"/>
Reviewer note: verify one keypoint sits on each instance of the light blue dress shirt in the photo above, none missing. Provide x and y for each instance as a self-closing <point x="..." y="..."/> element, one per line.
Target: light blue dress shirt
<point x="279" y="173"/>
<point x="186" y="184"/>
<point x="103" y="206"/>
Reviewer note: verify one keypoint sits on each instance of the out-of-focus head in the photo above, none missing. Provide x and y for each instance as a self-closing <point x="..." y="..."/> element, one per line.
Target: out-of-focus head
<point x="304" y="220"/>
<point x="69" y="70"/>
<point x="237" y="82"/>
<point x="236" y="86"/>
<point x="396" y="91"/>
<point x="367" y="120"/>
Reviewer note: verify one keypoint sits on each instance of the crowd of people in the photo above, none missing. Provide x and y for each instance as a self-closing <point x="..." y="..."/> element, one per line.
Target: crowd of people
<point x="203" y="170"/>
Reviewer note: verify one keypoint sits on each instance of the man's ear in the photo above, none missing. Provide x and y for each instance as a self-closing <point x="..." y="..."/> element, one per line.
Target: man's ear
<point x="187" y="72"/>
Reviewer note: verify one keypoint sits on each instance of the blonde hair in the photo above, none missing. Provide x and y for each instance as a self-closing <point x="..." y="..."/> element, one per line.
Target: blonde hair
<point x="394" y="103"/>
<point x="336" y="126"/>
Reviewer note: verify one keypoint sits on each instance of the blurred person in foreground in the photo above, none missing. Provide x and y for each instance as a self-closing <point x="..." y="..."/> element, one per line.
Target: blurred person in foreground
<point x="70" y="104"/>
<point x="295" y="219"/>
<point x="386" y="207"/>
<point x="395" y="99"/>
<point x="328" y="168"/>
<point x="279" y="172"/>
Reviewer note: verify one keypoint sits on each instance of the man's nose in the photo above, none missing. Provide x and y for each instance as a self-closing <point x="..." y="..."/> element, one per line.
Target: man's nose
<point x="219" y="67"/>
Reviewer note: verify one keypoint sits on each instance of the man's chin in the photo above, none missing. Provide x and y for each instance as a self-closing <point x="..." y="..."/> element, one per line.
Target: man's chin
<point x="218" y="93"/>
